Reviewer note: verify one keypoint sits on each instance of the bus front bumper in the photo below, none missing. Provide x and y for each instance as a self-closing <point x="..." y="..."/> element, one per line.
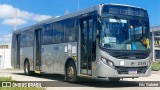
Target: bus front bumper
<point x="104" y="70"/>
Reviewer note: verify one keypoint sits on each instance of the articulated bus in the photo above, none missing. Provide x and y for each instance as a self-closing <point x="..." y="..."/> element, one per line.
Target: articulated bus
<point x="105" y="41"/>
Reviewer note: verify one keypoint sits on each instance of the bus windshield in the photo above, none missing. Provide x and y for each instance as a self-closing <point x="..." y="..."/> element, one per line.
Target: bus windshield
<point x="122" y="34"/>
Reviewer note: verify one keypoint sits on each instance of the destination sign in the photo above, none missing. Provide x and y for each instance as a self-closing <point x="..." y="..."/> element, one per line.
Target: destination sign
<point x="124" y="10"/>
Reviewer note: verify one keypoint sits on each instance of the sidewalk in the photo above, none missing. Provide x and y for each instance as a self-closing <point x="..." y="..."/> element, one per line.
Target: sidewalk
<point x="156" y="72"/>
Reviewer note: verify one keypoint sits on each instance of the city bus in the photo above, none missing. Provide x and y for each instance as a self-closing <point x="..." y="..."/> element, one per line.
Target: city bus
<point x="104" y="41"/>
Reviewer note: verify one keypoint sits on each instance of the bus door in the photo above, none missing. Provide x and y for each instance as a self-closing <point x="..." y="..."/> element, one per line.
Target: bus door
<point x="87" y="45"/>
<point x="18" y="51"/>
<point x="37" y="49"/>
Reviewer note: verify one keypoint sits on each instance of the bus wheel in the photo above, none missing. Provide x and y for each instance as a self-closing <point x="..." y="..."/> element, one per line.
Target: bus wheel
<point x="27" y="68"/>
<point x="114" y="79"/>
<point x="71" y="74"/>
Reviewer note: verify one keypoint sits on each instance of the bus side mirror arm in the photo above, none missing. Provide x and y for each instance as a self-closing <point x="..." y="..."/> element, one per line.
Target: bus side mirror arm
<point x="99" y="27"/>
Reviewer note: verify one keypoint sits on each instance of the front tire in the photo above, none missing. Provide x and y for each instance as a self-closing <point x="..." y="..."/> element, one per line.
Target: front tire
<point x="71" y="73"/>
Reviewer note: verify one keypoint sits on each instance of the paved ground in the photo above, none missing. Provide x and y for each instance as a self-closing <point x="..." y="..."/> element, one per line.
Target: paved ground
<point x="130" y="84"/>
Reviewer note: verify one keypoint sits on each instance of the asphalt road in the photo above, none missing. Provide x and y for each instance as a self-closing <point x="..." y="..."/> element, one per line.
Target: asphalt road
<point x="59" y="84"/>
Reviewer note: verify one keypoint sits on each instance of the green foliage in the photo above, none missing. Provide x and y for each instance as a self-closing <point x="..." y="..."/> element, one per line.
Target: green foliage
<point x="6" y="79"/>
<point x="156" y="66"/>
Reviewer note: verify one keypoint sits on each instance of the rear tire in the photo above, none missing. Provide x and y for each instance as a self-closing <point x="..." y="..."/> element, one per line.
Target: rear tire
<point x="27" y="68"/>
<point x="71" y="73"/>
<point x="114" y="79"/>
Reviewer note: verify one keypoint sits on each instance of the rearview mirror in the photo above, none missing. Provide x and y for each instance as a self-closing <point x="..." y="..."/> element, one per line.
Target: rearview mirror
<point x="99" y="25"/>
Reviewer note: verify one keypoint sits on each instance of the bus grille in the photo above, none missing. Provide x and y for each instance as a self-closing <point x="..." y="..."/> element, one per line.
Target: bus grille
<point x="129" y="55"/>
<point x="124" y="70"/>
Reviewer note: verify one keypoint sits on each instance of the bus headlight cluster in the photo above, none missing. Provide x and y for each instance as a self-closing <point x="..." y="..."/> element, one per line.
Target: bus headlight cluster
<point x="107" y="62"/>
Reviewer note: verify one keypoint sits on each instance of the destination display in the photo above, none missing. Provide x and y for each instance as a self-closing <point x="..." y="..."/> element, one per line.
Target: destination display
<point x="124" y="10"/>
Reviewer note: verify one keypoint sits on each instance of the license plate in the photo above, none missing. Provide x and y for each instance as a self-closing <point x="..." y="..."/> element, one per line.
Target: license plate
<point x="132" y="71"/>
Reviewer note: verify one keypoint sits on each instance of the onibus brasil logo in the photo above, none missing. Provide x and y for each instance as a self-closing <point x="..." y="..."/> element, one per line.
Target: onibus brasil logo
<point x="21" y="84"/>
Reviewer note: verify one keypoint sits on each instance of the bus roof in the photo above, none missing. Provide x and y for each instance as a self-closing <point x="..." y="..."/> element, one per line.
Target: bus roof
<point x="125" y="5"/>
<point x="54" y="19"/>
<point x="81" y="12"/>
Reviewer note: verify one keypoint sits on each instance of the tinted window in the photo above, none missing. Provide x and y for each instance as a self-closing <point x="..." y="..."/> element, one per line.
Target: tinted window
<point x="70" y="30"/>
<point x="58" y="32"/>
<point x="47" y="34"/>
<point x="27" y="38"/>
<point x="23" y="40"/>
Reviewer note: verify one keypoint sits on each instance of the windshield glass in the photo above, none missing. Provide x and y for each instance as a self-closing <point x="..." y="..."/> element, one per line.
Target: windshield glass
<point x="123" y="34"/>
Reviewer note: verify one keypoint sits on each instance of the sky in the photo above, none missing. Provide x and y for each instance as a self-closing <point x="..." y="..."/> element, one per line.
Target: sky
<point x="32" y="11"/>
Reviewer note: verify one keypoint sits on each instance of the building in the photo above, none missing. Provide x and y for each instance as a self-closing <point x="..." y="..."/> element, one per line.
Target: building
<point x="5" y="56"/>
<point x="156" y="39"/>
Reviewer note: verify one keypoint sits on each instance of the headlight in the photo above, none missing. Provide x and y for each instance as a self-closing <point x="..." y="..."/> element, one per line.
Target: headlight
<point x="107" y="62"/>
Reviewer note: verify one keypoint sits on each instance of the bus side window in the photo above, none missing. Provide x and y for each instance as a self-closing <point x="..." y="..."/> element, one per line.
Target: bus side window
<point x="47" y="34"/>
<point x="58" y="32"/>
<point x="27" y="38"/>
<point x="70" y="30"/>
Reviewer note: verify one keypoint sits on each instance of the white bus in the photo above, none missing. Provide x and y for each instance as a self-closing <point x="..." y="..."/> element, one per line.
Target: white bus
<point x="104" y="41"/>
